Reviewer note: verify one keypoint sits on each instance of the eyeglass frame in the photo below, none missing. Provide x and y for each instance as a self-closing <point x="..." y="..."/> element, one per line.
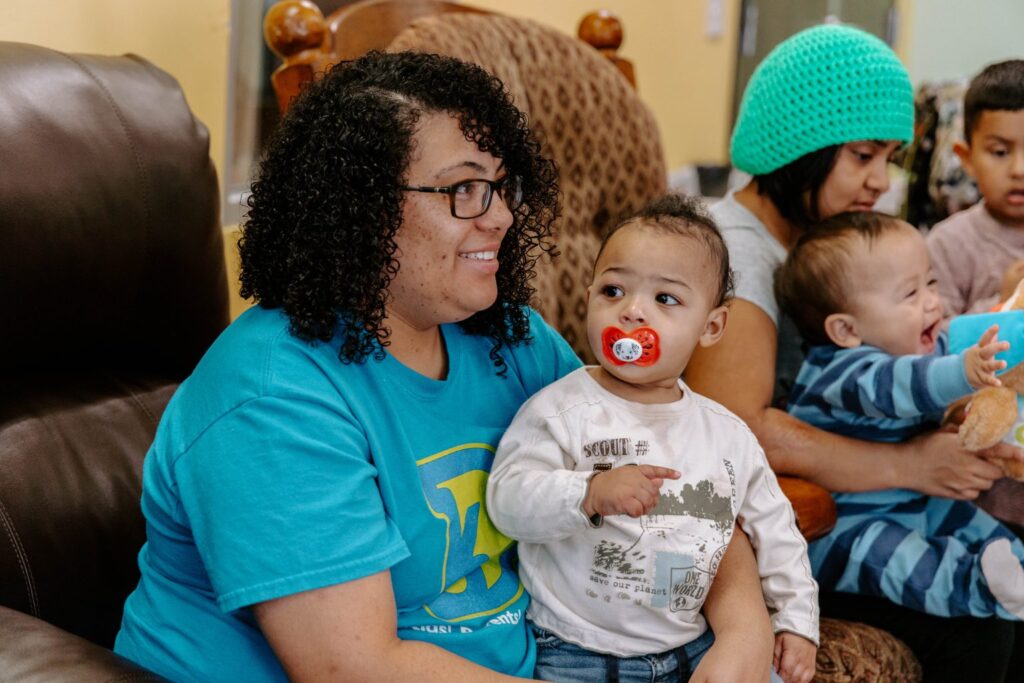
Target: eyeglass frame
<point x="493" y="187"/>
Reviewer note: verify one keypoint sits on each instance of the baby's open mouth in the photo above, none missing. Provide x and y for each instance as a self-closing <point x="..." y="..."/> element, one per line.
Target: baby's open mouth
<point x="930" y="334"/>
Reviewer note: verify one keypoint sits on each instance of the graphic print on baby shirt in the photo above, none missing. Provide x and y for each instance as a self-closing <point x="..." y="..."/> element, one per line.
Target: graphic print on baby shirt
<point x="668" y="558"/>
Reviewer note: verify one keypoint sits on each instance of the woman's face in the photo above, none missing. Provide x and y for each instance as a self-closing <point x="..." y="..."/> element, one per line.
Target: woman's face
<point x="858" y="178"/>
<point x="447" y="265"/>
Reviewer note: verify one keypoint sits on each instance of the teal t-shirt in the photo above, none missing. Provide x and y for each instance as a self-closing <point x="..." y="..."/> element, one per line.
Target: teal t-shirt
<point x="277" y="468"/>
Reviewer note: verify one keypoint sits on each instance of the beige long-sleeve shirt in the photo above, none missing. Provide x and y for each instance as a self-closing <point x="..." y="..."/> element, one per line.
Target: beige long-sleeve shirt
<point x="971" y="251"/>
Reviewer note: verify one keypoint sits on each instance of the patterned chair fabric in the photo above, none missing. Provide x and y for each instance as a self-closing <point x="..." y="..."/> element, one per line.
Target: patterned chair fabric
<point x="601" y="135"/>
<point x="857" y="652"/>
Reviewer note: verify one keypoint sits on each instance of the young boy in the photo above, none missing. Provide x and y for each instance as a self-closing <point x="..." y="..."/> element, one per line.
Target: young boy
<point x="623" y="486"/>
<point x="979" y="253"/>
<point x="861" y="290"/>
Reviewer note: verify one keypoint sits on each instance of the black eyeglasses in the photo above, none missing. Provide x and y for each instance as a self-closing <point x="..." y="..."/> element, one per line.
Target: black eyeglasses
<point x="472" y="198"/>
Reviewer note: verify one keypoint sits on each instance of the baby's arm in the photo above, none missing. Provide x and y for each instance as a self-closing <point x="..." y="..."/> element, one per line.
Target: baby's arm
<point x="736" y="612"/>
<point x="895" y="386"/>
<point x="533" y="493"/>
<point x="766" y="515"/>
<point x="980" y="364"/>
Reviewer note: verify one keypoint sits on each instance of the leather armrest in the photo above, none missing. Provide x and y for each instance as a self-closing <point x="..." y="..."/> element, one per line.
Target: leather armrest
<point x="815" y="510"/>
<point x="32" y="650"/>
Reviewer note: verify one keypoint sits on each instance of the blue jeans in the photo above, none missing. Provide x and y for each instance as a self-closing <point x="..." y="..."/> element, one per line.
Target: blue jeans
<point x="562" y="662"/>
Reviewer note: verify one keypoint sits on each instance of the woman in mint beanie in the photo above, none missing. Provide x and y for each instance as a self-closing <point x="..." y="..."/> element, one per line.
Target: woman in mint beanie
<point x="820" y="120"/>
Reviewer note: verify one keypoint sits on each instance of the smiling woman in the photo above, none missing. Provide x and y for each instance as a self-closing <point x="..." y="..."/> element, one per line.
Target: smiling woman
<point x="319" y="479"/>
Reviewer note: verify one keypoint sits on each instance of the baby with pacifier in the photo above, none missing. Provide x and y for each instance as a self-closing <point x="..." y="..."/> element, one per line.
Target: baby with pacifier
<point x="624" y="487"/>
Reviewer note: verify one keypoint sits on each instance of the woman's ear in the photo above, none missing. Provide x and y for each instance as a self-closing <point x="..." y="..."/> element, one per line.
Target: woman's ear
<point x="714" y="326"/>
<point x="841" y="328"/>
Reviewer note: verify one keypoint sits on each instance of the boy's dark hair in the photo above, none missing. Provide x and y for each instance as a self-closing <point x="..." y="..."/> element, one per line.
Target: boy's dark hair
<point x="685" y="216"/>
<point x="814" y="281"/>
<point x="998" y="87"/>
<point x="787" y="185"/>
<point x="318" y="241"/>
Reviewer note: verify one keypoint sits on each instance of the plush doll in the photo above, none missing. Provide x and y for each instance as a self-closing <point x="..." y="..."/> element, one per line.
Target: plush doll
<point x="994" y="414"/>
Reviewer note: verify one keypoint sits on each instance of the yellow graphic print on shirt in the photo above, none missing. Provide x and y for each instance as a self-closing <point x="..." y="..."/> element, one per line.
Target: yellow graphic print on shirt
<point x="477" y="555"/>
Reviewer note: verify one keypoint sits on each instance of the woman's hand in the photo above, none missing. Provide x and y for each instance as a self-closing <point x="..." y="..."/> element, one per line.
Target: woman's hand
<point x="936" y="464"/>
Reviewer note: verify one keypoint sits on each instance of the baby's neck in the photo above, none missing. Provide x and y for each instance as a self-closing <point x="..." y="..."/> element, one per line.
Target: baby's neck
<point x="660" y="392"/>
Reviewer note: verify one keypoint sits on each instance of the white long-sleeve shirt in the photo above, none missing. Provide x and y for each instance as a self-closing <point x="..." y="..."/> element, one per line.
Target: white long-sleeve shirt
<point x="631" y="587"/>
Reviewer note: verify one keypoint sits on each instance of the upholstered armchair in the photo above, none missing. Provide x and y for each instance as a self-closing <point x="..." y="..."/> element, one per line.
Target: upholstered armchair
<point x="113" y="283"/>
<point x="607" y="146"/>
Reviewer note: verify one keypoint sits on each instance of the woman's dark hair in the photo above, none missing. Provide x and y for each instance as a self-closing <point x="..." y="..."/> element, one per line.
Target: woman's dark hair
<point x="788" y="186"/>
<point x="685" y="216"/>
<point x="318" y="240"/>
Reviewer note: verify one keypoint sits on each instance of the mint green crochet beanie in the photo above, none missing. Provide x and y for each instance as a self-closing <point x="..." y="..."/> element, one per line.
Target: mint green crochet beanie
<point x="824" y="86"/>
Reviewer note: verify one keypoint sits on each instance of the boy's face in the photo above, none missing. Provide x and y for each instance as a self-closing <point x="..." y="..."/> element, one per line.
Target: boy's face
<point x="896" y="305"/>
<point x="648" y="277"/>
<point x="995" y="157"/>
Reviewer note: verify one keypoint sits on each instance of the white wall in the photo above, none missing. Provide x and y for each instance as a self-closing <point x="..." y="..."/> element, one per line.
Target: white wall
<point x="953" y="38"/>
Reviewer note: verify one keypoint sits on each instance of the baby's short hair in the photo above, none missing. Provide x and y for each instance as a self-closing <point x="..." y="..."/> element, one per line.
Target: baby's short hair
<point x="998" y="86"/>
<point x="687" y="217"/>
<point x="814" y="281"/>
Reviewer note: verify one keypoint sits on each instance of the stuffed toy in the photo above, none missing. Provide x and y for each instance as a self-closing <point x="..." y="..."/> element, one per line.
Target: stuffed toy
<point x="994" y="414"/>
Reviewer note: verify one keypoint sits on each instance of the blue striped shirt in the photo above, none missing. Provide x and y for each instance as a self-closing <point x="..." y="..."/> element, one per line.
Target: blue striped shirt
<point x="868" y="394"/>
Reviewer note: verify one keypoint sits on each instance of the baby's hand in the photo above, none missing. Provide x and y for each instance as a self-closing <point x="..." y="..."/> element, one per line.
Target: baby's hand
<point x="980" y="364"/>
<point x="794" y="657"/>
<point x="1013" y="275"/>
<point x="631" y="490"/>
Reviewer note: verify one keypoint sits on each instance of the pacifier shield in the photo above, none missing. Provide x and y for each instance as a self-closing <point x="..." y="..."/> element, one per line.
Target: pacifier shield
<point x="639" y="347"/>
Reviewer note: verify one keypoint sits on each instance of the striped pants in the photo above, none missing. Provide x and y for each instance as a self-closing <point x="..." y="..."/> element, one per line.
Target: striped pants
<point x="917" y="551"/>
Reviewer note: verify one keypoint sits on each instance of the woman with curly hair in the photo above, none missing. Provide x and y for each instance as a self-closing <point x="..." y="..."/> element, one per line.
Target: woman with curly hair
<point x="314" y="495"/>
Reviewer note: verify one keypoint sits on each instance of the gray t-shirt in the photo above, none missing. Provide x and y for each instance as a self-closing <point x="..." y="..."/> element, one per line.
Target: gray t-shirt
<point x="754" y="255"/>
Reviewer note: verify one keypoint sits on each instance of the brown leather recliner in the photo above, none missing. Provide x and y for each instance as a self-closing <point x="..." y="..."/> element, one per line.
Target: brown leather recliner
<point x="113" y="285"/>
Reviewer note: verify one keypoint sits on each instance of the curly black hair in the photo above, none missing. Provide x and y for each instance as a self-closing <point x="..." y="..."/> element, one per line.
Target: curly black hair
<point x="318" y="240"/>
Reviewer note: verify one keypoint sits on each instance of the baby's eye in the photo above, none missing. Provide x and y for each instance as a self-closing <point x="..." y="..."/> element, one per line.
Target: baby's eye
<point x="666" y="299"/>
<point x="611" y="291"/>
<point x="911" y="294"/>
<point x="933" y="282"/>
<point x="998" y="152"/>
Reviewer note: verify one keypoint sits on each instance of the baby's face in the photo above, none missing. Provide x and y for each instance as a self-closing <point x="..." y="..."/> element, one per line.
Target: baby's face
<point x="896" y="304"/>
<point x="996" y="160"/>
<point x="648" y="277"/>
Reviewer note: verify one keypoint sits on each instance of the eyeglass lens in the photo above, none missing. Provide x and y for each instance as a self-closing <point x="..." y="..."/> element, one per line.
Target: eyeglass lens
<point x="473" y="197"/>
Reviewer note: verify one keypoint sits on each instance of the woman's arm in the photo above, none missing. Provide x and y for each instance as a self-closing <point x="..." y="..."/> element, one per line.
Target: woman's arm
<point x="736" y="612"/>
<point x="739" y="373"/>
<point x="348" y="632"/>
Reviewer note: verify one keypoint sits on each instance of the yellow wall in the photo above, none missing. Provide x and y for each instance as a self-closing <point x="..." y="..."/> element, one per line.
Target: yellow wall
<point x="186" y="38"/>
<point x="682" y="74"/>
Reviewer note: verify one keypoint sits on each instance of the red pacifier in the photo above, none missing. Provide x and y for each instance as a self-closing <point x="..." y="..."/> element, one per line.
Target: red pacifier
<point x="639" y="347"/>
